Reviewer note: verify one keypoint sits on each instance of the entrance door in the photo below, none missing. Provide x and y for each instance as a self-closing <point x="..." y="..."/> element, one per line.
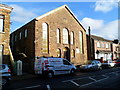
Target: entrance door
<point x="67" y="53"/>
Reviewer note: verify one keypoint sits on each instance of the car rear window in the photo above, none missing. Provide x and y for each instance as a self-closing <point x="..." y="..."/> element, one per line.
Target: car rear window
<point x="2" y="67"/>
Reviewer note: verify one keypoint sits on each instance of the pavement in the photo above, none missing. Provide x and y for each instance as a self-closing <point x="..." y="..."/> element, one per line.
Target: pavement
<point x="23" y="76"/>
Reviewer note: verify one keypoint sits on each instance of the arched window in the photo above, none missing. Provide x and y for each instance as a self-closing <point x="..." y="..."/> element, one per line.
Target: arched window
<point x="81" y="41"/>
<point x="65" y="36"/>
<point x="26" y="33"/>
<point x="45" y="37"/>
<point x="58" y="35"/>
<point x="73" y="53"/>
<point x="72" y="37"/>
<point x="58" y="53"/>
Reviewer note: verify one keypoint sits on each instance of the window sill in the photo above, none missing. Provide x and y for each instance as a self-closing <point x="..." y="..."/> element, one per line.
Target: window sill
<point x="2" y="32"/>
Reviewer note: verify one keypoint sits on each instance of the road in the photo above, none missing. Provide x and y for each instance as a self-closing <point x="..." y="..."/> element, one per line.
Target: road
<point x="105" y="78"/>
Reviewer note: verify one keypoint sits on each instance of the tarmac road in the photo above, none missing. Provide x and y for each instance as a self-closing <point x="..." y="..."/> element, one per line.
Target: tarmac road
<point x="105" y="78"/>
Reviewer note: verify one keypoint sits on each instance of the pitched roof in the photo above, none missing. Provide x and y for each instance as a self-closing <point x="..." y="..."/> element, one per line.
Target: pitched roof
<point x="59" y="8"/>
<point x="100" y="38"/>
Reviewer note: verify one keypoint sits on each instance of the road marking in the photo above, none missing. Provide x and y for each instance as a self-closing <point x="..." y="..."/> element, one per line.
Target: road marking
<point x="93" y="82"/>
<point x="28" y="87"/>
<point x="74" y="79"/>
<point x="92" y="79"/>
<point x="48" y="87"/>
<point x="74" y="83"/>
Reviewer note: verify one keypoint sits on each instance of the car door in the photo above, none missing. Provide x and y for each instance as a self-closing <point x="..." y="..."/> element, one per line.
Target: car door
<point x="66" y="66"/>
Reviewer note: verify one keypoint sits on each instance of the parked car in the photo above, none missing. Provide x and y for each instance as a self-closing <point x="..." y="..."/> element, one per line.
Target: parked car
<point x="117" y="62"/>
<point x="108" y="64"/>
<point x="5" y="73"/>
<point x="49" y="66"/>
<point x="91" y="65"/>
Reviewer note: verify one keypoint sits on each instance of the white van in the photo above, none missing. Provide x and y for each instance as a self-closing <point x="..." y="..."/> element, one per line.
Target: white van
<point x="50" y="66"/>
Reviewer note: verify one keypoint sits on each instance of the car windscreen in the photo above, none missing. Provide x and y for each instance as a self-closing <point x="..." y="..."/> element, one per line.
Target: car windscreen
<point x="2" y="67"/>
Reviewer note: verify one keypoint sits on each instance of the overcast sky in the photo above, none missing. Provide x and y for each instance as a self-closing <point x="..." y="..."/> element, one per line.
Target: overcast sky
<point x="102" y="17"/>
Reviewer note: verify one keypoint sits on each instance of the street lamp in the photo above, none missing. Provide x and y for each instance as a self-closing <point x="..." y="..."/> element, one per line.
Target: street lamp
<point x="89" y="42"/>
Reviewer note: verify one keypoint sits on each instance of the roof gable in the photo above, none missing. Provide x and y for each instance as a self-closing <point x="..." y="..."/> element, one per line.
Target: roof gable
<point x="59" y="8"/>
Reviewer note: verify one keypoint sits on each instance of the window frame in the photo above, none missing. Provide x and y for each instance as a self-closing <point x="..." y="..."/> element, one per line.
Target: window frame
<point x="3" y="19"/>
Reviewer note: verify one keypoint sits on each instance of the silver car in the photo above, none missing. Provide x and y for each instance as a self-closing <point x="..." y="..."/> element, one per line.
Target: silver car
<point x="91" y="65"/>
<point x="5" y="75"/>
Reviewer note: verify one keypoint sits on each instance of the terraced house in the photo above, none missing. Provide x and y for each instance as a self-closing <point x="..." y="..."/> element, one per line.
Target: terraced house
<point x="100" y="48"/>
<point x="57" y="33"/>
<point x="5" y="52"/>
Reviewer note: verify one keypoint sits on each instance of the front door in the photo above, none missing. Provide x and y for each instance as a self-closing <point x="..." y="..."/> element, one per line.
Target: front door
<point x="67" y="53"/>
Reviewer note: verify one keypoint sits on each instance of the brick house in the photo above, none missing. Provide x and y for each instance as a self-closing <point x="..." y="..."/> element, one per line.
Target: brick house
<point x="116" y="50"/>
<point x="100" y="48"/>
<point x="57" y="33"/>
<point x="5" y="52"/>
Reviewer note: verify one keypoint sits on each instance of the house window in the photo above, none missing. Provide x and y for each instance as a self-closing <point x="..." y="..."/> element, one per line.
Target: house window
<point x="65" y="36"/>
<point x="72" y="37"/>
<point x="107" y="45"/>
<point x="81" y="41"/>
<point x="73" y="53"/>
<point x="58" y="53"/>
<point x="98" y="44"/>
<point x="58" y="35"/>
<point x="45" y="37"/>
<point x="1" y="23"/>
<point x="15" y="37"/>
<point x="102" y="44"/>
<point x="26" y="33"/>
<point x="20" y="35"/>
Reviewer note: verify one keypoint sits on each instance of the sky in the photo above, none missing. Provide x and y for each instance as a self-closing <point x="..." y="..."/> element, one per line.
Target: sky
<point x="102" y="17"/>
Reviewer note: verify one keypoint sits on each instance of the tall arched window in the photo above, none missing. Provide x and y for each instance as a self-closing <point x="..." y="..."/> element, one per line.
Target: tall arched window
<point x="58" y="35"/>
<point x="58" y="53"/>
<point x="45" y="37"/>
<point x="81" y="41"/>
<point x="65" y="36"/>
<point x="72" y="37"/>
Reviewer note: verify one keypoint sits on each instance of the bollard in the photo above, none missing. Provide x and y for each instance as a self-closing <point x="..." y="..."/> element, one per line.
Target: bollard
<point x="19" y="67"/>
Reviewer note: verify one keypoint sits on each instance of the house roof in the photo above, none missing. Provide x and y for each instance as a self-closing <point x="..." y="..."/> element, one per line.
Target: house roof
<point x="59" y="8"/>
<point x="100" y="38"/>
<point x="3" y="6"/>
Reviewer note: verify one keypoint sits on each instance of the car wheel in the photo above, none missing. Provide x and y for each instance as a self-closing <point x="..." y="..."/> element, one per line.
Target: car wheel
<point x="91" y="69"/>
<point x="50" y="75"/>
<point x="4" y="81"/>
<point x="72" y="71"/>
<point x="100" y="68"/>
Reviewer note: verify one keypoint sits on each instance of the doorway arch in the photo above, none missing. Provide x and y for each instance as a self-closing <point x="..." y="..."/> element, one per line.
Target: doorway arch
<point x="67" y="53"/>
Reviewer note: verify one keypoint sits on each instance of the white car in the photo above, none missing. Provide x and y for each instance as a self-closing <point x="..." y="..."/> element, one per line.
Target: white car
<point x="91" y="65"/>
<point x="5" y="74"/>
<point x="49" y="66"/>
<point x="108" y="64"/>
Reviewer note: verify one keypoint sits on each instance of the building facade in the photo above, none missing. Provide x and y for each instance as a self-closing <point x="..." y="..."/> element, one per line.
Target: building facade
<point x="116" y="50"/>
<point x="100" y="48"/>
<point x="57" y="33"/>
<point x="5" y="52"/>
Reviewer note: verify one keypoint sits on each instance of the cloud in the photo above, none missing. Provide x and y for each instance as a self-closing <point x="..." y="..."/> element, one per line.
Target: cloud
<point x="21" y="15"/>
<point x="99" y="28"/>
<point x="105" y="5"/>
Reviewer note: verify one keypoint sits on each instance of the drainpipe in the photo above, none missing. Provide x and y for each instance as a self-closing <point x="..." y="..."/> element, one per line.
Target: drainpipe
<point x="89" y="42"/>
